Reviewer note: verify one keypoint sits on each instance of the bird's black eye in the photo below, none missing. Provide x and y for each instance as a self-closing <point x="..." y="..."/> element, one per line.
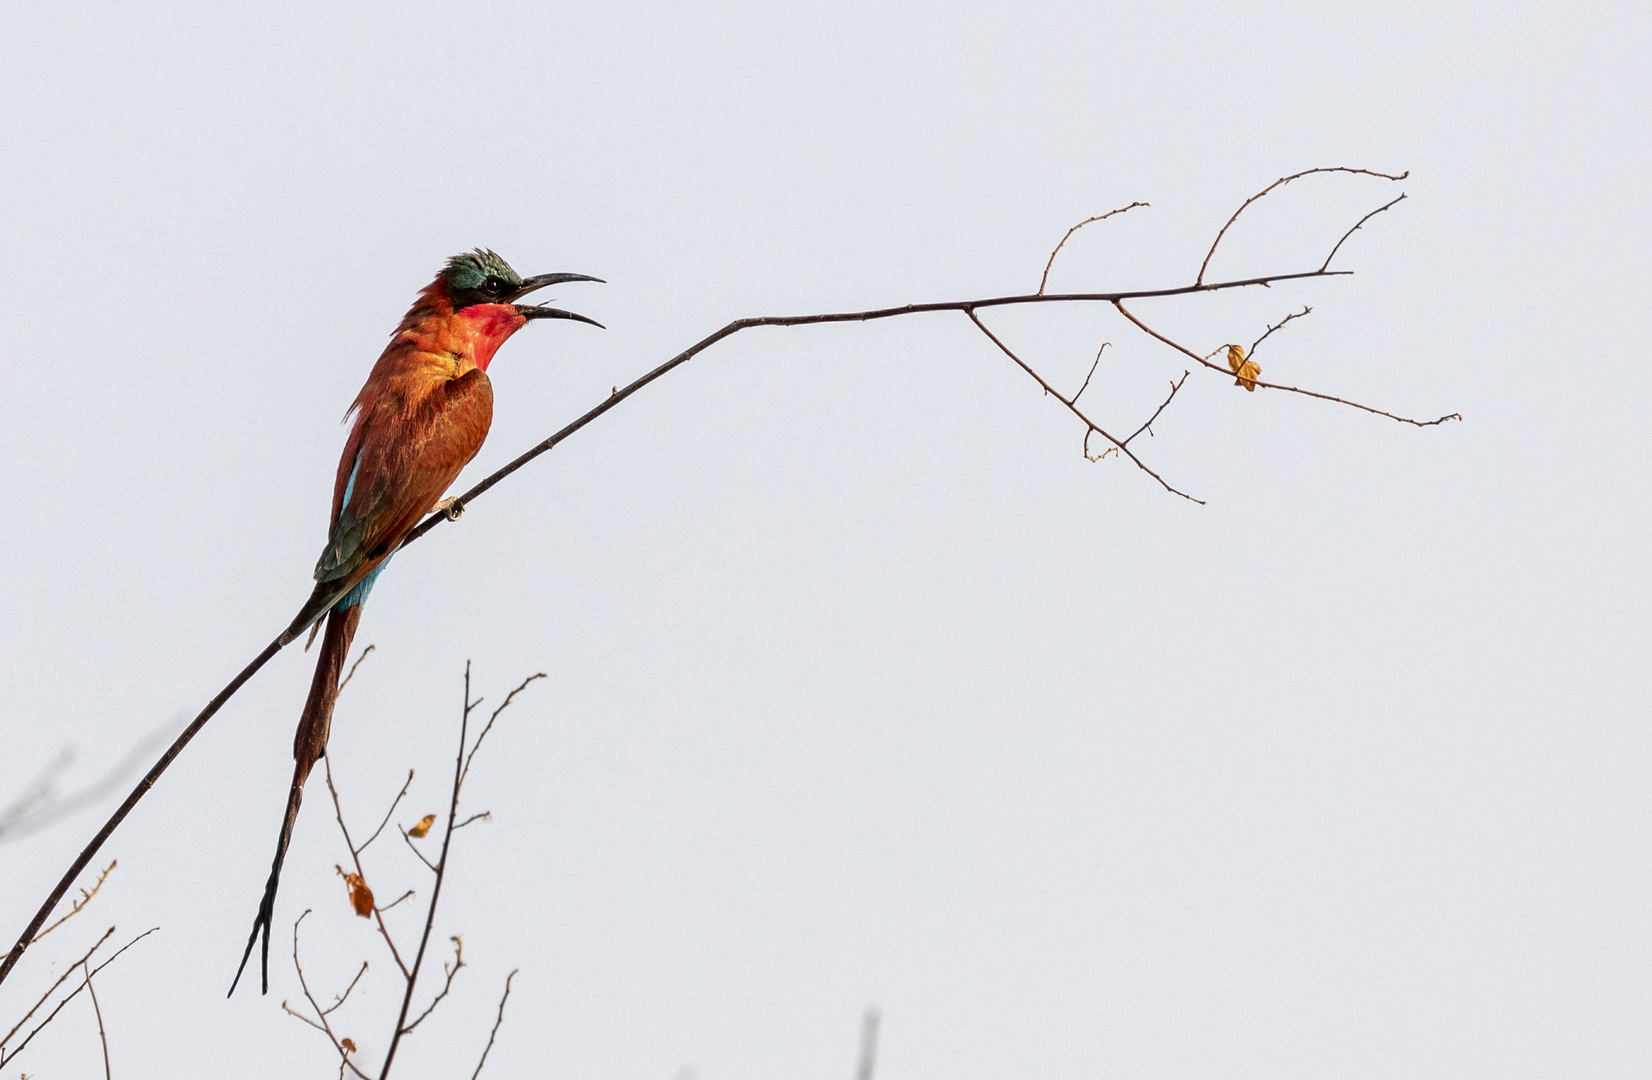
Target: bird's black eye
<point x="493" y="286"/>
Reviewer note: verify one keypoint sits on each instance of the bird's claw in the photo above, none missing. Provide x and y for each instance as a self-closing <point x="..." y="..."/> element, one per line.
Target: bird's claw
<point x="451" y="507"/>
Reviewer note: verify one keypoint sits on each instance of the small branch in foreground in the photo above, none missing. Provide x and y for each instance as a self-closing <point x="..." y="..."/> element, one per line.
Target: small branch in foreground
<point x="79" y="964"/>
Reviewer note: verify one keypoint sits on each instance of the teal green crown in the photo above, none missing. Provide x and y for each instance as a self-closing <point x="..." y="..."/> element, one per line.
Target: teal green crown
<point x="468" y="271"/>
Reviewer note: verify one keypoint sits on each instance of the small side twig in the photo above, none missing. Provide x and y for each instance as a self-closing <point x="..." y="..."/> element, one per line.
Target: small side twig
<point x="1045" y="280"/>
<point x="1175" y="386"/>
<point x="450" y="970"/>
<point x="346" y="680"/>
<point x="1092" y="373"/>
<point x="393" y="804"/>
<point x="500" y="1019"/>
<point x="85" y="898"/>
<point x="1327" y="263"/>
<point x="97" y="1010"/>
<point x="510" y="697"/>
<point x="1280" y="325"/>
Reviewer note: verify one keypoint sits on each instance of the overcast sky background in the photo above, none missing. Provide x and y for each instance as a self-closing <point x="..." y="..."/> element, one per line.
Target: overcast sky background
<point x="865" y="688"/>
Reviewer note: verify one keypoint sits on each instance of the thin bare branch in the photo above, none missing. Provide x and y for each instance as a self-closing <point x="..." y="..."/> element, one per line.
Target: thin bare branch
<point x="1250" y="353"/>
<point x="340" y="999"/>
<point x="4" y="1058"/>
<point x="355" y="855"/>
<point x="1175" y="386"/>
<point x="500" y="1019"/>
<point x="393" y="804"/>
<point x="354" y="666"/>
<point x="79" y="905"/>
<point x="1281" y="182"/>
<point x="408" y="840"/>
<point x="1045" y="280"/>
<point x="408" y="895"/>
<point x="103" y="1036"/>
<point x="510" y="697"/>
<point x="485" y="815"/>
<point x="459" y="761"/>
<point x="1288" y="389"/>
<point x="450" y="970"/>
<point x="320" y="1021"/>
<point x="1074" y="409"/>
<point x="50" y="990"/>
<point x="1326" y="264"/>
<point x="1093" y="367"/>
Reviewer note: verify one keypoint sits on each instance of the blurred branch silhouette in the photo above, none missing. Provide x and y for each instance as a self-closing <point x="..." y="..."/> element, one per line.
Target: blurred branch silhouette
<point x="40" y="805"/>
<point x="1242" y="368"/>
<point x="364" y="904"/>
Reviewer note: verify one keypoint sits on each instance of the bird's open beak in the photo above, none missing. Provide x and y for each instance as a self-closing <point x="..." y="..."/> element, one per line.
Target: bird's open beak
<point x="539" y="311"/>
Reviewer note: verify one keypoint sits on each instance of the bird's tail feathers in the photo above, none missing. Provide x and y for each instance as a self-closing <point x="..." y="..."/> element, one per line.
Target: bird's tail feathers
<point x="309" y="744"/>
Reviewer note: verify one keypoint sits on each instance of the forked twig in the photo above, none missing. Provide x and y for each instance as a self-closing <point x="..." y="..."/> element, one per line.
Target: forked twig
<point x="1281" y="182"/>
<point x="5" y="1057"/>
<point x="450" y="970"/>
<point x="355" y="857"/>
<point x="320" y="1023"/>
<point x="1175" y="386"/>
<point x="1091" y="425"/>
<point x="1288" y="389"/>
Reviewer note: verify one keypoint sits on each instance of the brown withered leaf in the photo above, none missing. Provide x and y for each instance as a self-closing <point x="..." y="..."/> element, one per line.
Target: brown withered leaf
<point x="361" y="897"/>
<point x="422" y="829"/>
<point x="349" y="1045"/>
<point x="1247" y="371"/>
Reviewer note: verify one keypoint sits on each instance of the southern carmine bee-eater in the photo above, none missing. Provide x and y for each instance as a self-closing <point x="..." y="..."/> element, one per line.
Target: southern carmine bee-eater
<point x="420" y="418"/>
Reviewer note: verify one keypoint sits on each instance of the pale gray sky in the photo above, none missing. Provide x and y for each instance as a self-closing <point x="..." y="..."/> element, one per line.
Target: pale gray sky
<point x="865" y="687"/>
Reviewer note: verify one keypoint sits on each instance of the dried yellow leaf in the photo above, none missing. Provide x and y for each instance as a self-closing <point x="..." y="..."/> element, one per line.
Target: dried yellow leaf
<point x="1246" y="371"/>
<point x="422" y="829"/>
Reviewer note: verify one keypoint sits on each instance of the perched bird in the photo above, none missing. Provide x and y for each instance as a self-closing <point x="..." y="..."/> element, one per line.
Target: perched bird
<point x="420" y="418"/>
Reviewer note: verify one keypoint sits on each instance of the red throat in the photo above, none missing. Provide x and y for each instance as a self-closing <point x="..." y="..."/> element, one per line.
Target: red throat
<point x="476" y="331"/>
<point x="488" y="326"/>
